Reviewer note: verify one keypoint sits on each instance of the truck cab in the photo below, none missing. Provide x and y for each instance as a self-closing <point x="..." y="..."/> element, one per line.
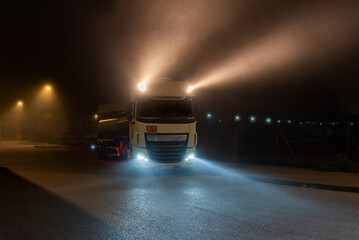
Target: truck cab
<point x="162" y="123"/>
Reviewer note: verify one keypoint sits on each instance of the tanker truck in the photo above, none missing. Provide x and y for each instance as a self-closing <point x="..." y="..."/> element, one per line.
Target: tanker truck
<point x="157" y="126"/>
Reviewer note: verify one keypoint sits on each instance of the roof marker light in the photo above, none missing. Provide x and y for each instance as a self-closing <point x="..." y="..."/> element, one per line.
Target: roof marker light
<point x="141" y="86"/>
<point x="190" y="89"/>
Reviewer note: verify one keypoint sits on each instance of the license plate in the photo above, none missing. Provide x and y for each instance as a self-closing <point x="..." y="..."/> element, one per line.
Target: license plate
<point x="151" y="129"/>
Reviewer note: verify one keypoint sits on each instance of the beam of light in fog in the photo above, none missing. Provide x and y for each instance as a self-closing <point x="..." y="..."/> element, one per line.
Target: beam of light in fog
<point x="168" y="32"/>
<point x="309" y="37"/>
<point x="210" y="167"/>
<point x="167" y="44"/>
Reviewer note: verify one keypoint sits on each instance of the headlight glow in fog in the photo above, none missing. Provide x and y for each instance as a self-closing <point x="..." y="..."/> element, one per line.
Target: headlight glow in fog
<point x="141" y="86"/>
<point x="190" y="156"/>
<point x="190" y="89"/>
<point x="141" y="157"/>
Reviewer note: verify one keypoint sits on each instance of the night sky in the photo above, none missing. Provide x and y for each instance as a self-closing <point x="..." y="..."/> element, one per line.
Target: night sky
<point x="298" y="58"/>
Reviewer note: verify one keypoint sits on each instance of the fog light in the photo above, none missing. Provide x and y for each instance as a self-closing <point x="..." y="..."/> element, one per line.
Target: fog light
<point x="190" y="156"/>
<point x="141" y="157"/>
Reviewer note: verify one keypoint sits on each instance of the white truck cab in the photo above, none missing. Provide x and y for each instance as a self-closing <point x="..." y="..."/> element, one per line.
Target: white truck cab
<point x="163" y="124"/>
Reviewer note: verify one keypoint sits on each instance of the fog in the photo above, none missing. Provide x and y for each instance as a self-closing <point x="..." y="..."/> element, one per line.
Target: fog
<point x="103" y="49"/>
<point x="216" y="42"/>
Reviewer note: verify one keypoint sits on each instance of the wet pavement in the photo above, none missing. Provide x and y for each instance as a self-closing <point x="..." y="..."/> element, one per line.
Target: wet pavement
<point x="67" y="193"/>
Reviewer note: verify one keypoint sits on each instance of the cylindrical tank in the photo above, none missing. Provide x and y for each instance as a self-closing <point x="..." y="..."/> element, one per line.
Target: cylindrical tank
<point x="113" y="128"/>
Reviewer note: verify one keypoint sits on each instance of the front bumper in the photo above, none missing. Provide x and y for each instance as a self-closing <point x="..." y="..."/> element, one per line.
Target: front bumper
<point x="141" y="157"/>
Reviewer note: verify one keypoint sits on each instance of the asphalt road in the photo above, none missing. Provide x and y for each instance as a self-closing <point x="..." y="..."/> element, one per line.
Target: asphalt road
<point x="65" y="193"/>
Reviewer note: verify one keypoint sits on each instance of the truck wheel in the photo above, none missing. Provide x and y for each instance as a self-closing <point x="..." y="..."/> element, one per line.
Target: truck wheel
<point x="98" y="152"/>
<point x="128" y="153"/>
<point x="126" y="156"/>
<point x="104" y="154"/>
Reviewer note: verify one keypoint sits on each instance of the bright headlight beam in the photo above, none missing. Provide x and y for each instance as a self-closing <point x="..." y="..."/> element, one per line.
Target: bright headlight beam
<point x="287" y="45"/>
<point x="141" y="157"/>
<point x="141" y="86"/>
<point x="190" y="89"/>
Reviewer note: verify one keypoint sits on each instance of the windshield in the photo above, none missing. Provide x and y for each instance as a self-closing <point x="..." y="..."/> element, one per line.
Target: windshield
<point x="167" y="109"/>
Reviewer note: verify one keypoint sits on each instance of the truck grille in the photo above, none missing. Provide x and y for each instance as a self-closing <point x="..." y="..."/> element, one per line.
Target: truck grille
<point x="166" y="151"/>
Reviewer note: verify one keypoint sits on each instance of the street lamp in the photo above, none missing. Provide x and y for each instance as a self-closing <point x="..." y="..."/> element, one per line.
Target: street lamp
<point x="20" y="103"/>
<point x="252" y="119"/>
<point x="237" y="118"/>
<point x="47" y="87"/>
<point x="268" y="120"/>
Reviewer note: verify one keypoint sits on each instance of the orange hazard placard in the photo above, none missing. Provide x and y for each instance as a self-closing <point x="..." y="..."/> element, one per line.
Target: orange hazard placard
<point x="151" y="129"/>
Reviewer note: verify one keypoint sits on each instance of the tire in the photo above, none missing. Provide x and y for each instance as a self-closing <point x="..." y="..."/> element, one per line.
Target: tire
<point x="127" y="155"/>
<point x="104" y="154"/>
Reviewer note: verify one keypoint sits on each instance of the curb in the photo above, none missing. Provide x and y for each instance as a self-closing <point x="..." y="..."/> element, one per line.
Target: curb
<point x="42" y="146"/>
<point x="49" y="146"/>
<point x="306" y="184"/>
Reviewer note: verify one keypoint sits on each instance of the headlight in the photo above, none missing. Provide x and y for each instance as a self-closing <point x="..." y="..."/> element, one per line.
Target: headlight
<point x="142" y="87"/>
<point x="141" y="157"/>
<point x="190" y="89"/>
<point x="190" y="156"/>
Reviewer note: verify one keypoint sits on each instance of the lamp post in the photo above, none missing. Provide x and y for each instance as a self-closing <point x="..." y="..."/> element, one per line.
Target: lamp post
<point x="48" y="91"/>
<point x="18" y="118"/>
<point x="237" y="118"/>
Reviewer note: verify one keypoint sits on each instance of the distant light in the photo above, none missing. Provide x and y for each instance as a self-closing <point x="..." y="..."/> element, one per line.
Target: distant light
<point x="333" y="123"/>
<point x="278" y="121"/>
<point x="252" y="119"/>
<point x="93" y="146"/>
<point x="190" y="89"/>
<point x="20" y="103"/>
<point x="320" y="124"/>
<point x="95" y="116"/>
<point x="209" y="115"/>
<point x="351" y="124"/>
<point x="289" y="121"/>
<point x="237" y="118"/>
<point x="142" y="87"/>
<point x="268" y="120"/>
<point x="47" y="87"/>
